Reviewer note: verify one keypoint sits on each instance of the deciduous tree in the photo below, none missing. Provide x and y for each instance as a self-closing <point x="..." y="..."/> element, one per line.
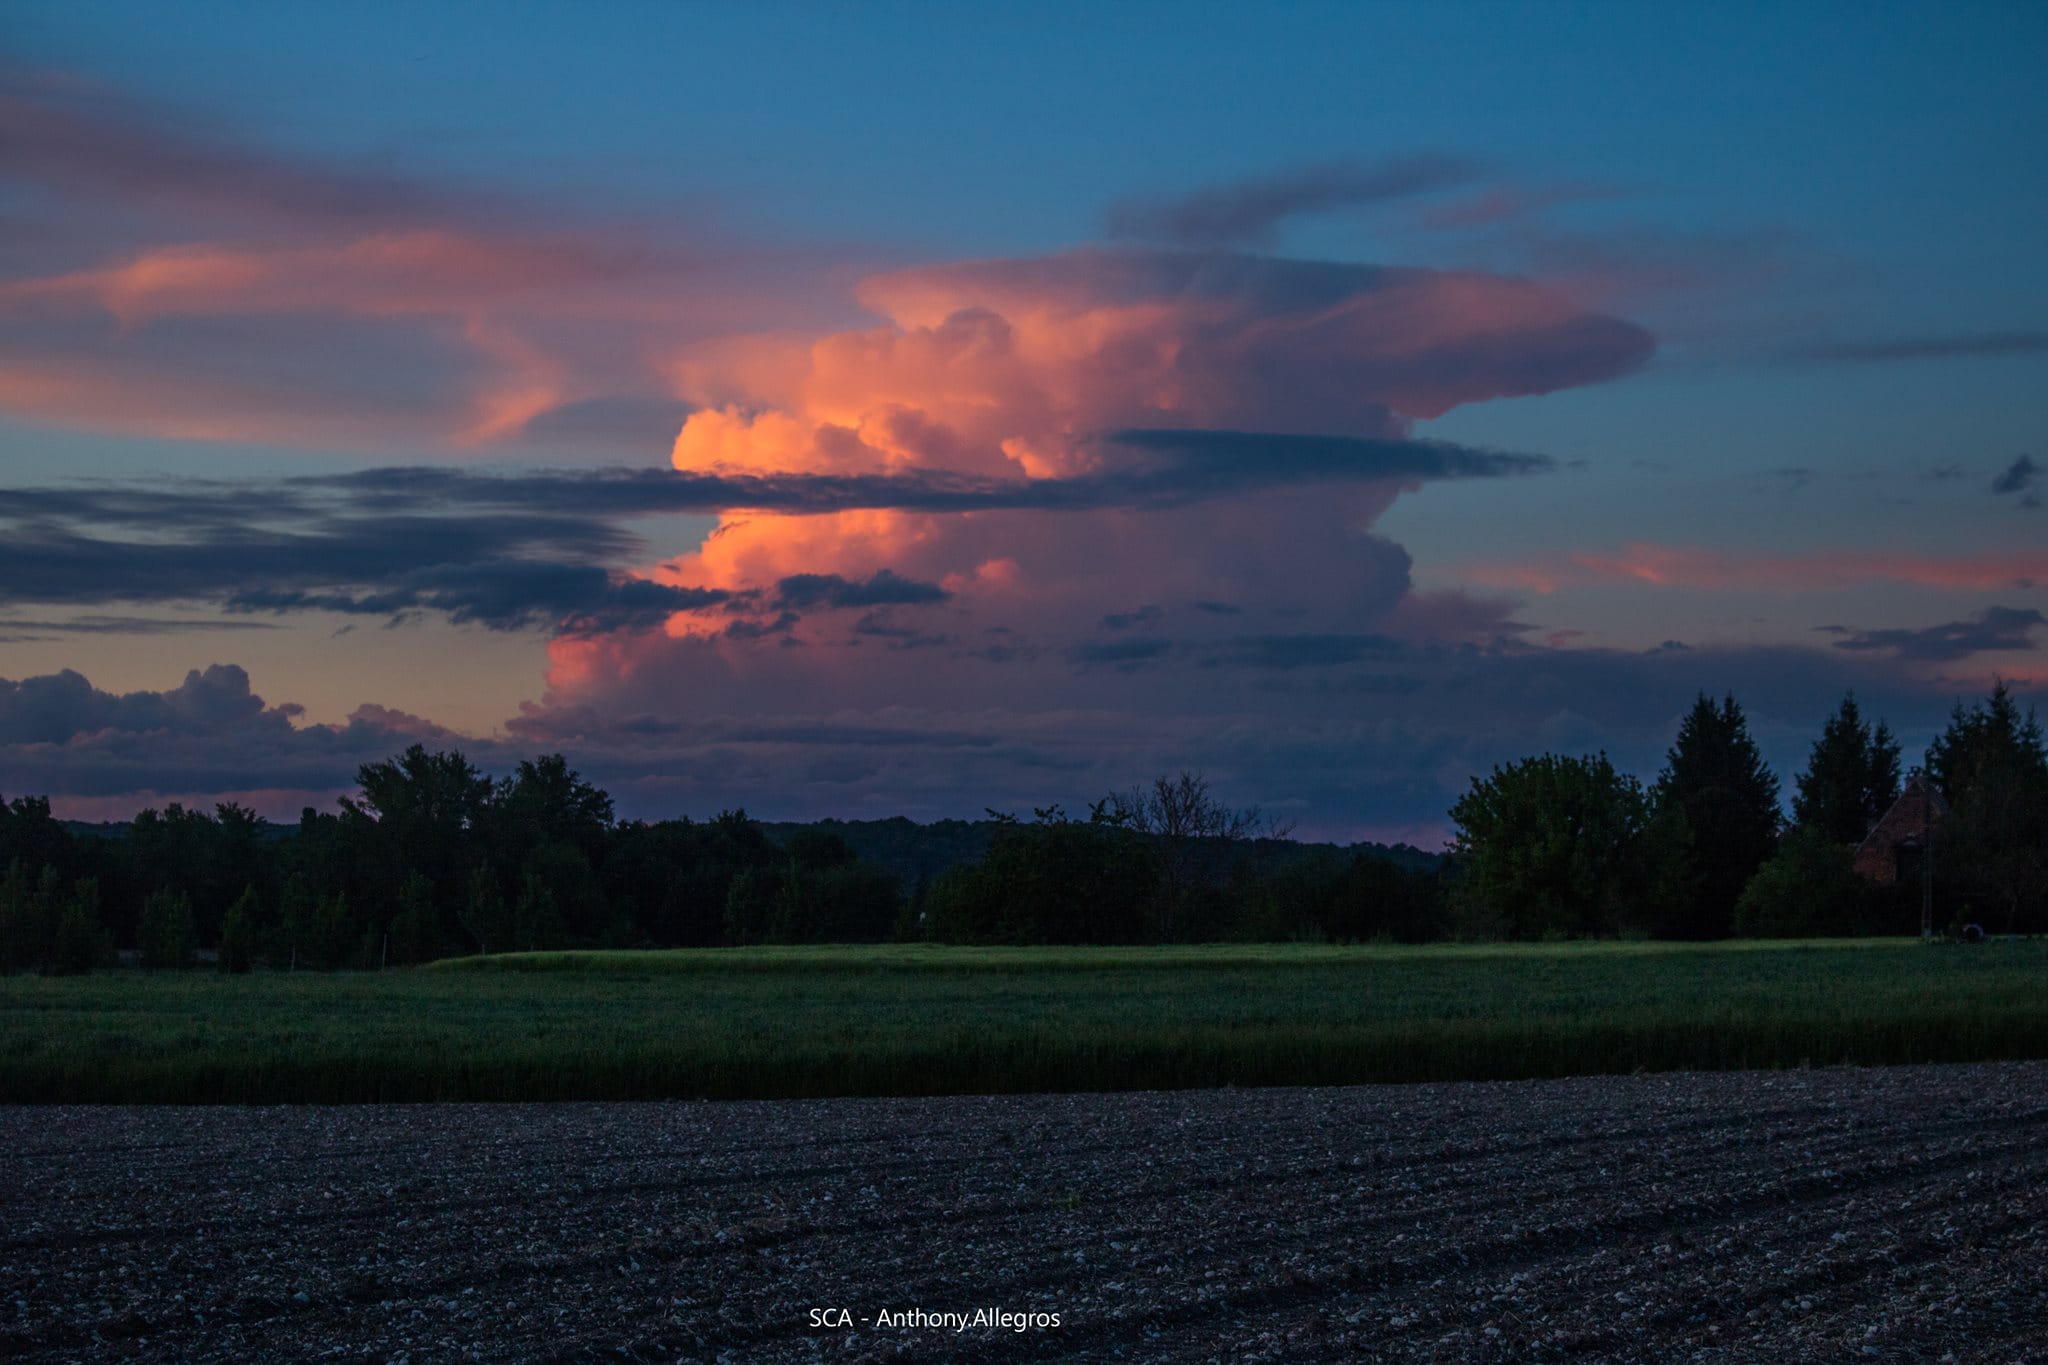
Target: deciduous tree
<point x="1555" y="847"/>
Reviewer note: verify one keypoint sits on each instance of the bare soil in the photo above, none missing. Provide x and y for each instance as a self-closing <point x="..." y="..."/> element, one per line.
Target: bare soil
<point x="1884" y="1214"/>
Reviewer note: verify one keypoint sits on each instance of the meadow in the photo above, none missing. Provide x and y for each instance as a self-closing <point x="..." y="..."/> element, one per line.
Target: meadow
<point x="917" y="1020"/>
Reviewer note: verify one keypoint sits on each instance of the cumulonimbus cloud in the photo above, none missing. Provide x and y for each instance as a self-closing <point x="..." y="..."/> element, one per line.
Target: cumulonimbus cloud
<point x="1086" y="369"/>
<point x="1221" y="429"/>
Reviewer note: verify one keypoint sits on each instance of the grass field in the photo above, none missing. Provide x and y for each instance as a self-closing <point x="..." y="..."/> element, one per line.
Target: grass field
<point x="903" y="1020"/>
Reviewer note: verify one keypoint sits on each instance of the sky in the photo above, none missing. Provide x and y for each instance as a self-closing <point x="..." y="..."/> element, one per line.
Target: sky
<point x="864" y="410"/>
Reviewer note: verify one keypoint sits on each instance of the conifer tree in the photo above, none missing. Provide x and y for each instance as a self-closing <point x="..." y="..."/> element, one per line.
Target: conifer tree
<point x="1715" y="777"/>
<point x="1992" y="765"/>
<point x="1851" y="777"/>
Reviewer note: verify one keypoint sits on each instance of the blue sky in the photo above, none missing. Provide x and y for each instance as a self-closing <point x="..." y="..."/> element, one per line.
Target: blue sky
<point x="505" y="237"/>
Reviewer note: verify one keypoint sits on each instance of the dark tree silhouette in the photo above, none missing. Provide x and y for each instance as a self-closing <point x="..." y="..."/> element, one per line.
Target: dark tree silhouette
<point x="1851" y="777"/>
<point x="166" y="935"/>
<point x="1556" y="847"/>
<point x="241" y="934"/>
<point x="1715" y="778"/>
<point x="1182" y="822"/>
<point x="1992" y="766"/>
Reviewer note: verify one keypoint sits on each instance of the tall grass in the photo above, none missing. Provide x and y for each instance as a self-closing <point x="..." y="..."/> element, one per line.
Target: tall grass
<point x="919" y="1020"/>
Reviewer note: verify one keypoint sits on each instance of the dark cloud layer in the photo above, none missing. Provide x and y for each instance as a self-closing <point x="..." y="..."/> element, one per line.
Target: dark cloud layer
<point x="808" y="591"/>
<point x="509" y="551"/>
<point x="1994" y="630"/>
<point x="2022" y="476"/>
<point x="504" y="595"/>
<point x="1248" y="212"/>
<point x="210" y="736"/>
<point x="1300" y="651"/>
<point x="16" y="629"/>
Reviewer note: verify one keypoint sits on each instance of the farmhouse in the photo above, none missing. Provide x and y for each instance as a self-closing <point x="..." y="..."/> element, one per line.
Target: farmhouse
<point x="1893" y="850"/>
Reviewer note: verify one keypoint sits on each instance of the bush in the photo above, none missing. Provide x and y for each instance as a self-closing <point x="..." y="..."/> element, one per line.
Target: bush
<point x="1058" y="881"/>
<point x="1808" y="889"/>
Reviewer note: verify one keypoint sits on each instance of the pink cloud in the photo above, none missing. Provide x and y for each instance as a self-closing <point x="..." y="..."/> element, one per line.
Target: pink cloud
<point x="140" y="220"/>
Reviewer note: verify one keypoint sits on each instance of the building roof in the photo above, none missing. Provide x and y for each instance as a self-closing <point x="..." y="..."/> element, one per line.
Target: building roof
<point x="1920" y="804"/>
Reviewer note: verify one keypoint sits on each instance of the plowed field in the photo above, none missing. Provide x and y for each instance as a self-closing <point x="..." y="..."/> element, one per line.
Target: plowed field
<point x="1894" y="1214"/>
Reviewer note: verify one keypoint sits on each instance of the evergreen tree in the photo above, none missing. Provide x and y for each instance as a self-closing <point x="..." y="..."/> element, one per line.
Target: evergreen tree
<point x="1716" y="779"/>
<point x="1851" y="777"/>
<point x="165" y="935"/>
<point x="240" y="934"/>
<point x="1992" y="765"/>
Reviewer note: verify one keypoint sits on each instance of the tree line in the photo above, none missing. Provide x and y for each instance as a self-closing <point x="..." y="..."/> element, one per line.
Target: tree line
<point x="1557" y="846"/>
<point x="433" y="858"/>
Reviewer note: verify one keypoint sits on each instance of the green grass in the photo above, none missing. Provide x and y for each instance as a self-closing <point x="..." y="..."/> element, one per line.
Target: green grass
<point x="776" y="1022"/>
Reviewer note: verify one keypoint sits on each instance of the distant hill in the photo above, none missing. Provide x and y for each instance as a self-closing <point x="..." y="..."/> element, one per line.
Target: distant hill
<point x="911" y="850"/>
<point x="87" y="829"/>
<point x="118" y="829"/>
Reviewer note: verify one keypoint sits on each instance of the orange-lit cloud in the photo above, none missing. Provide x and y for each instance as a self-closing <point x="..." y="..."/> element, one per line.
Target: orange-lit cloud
<point x="1031" y="372"/>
